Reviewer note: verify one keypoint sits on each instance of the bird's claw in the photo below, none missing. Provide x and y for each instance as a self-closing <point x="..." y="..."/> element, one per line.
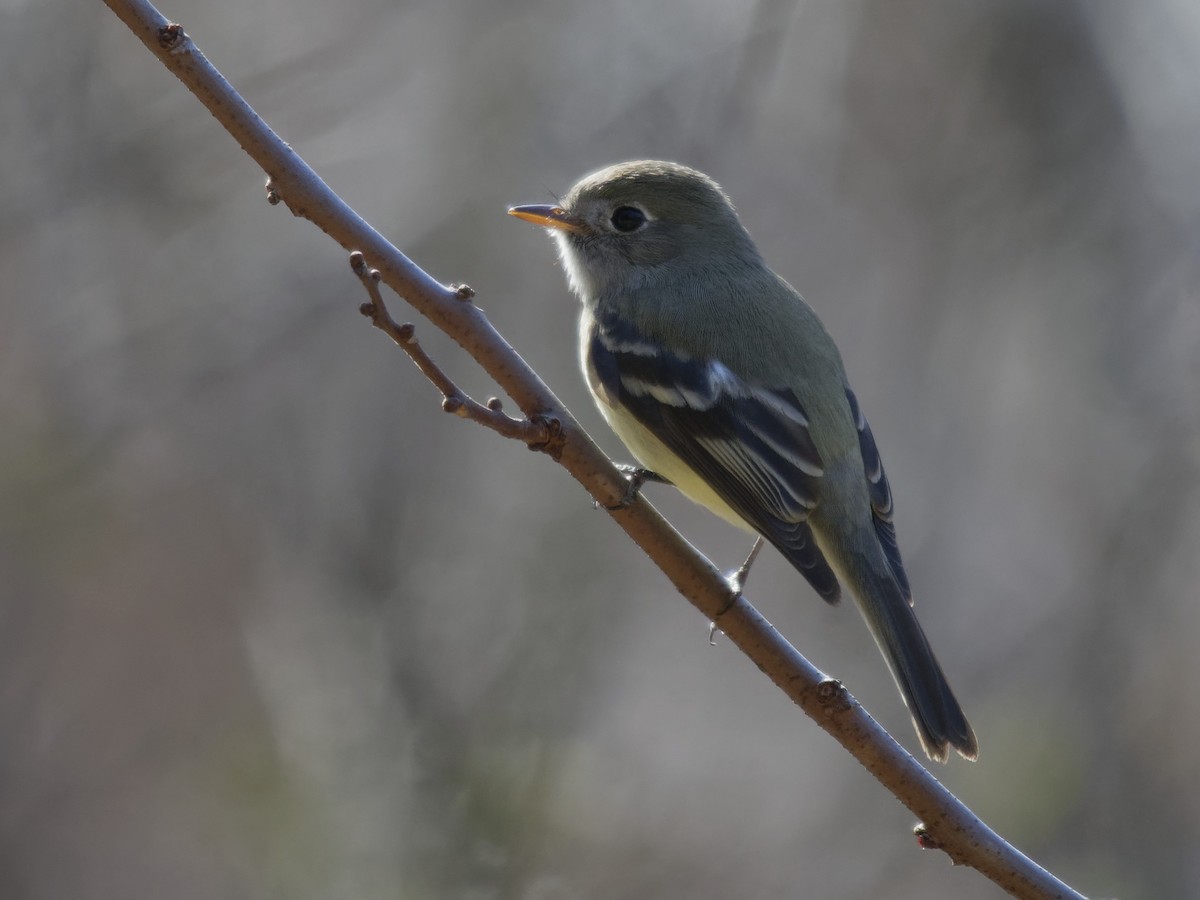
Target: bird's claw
<point x="737" y="578"/>
<point x="713" y="631"/>
<point x="637" y="477"/>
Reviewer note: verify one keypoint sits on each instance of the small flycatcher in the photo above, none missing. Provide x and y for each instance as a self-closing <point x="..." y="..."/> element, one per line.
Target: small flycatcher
<point x="721" y="379"/>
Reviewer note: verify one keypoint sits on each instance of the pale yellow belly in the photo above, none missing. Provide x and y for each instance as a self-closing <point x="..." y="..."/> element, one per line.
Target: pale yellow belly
<point x="654" y="455"/>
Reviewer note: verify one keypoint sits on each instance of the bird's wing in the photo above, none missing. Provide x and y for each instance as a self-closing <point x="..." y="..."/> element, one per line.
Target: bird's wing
<point x="881" y="496"/>
<point x="750" y="444"/>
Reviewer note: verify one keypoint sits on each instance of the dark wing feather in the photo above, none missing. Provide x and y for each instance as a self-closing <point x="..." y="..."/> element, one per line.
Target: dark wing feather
<point x="750" y="444"/>
<point x="881" y="496"/>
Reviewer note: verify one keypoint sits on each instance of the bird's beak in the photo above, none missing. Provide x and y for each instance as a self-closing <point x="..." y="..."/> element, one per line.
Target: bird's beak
<point x="547" y="216"/>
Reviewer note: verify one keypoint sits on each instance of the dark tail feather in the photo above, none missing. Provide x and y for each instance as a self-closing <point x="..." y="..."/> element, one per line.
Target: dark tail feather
<point x="939" y="719"/>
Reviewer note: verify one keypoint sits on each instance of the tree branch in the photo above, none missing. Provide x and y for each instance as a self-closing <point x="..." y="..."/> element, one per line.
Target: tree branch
<point x="946" y="823"/>
<point x="538" y="432"/>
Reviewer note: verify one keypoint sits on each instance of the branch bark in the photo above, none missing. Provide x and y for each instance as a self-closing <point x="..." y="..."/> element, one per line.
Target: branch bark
<point x="947" y="824"/>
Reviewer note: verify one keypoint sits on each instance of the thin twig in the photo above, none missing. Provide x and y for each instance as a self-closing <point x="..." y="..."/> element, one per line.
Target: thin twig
<point x="537" y="433"/>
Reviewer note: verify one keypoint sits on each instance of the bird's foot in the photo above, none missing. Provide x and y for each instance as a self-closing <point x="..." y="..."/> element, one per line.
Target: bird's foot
<point x="736" y="581"/>
<point x="737" y="578"/>
<point x="637" y="477"/>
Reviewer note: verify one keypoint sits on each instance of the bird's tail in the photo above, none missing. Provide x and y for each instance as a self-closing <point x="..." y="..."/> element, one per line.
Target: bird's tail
<point x="939" y="719"/>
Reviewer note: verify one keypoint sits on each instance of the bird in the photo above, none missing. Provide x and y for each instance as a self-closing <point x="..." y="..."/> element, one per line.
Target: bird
<point x="720" y="379"/>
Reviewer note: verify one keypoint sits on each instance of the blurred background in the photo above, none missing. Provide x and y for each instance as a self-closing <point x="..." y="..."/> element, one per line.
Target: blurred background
<point x="272" y="625"/>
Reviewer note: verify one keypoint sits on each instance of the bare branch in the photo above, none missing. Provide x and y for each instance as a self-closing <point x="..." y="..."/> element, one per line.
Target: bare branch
<point x="538" y="433"/>
<point x="946" y="822"/>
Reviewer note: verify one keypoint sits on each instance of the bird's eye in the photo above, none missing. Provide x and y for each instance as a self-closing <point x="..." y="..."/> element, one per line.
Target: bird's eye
<point x="628" y="218"/>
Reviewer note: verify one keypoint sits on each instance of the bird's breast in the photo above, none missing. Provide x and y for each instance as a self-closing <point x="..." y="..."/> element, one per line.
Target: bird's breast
<point x="587" y="335"/>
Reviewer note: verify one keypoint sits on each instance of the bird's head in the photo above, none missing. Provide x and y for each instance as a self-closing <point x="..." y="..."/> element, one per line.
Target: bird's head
<point x="627" y="226"/>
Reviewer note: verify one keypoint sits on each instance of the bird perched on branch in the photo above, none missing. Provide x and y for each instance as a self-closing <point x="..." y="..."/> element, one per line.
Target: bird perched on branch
<point x="721" y="380"/>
